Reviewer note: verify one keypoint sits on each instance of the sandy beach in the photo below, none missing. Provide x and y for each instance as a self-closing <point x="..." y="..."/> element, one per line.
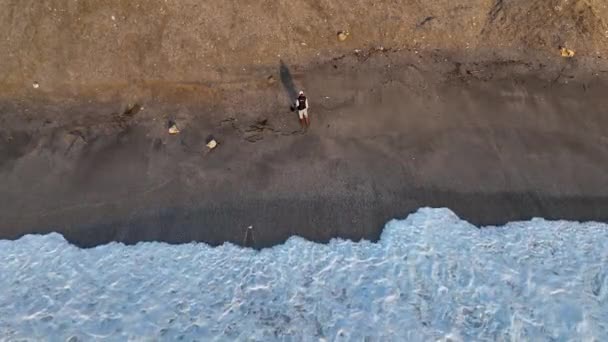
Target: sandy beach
<point x="495" y="132"/>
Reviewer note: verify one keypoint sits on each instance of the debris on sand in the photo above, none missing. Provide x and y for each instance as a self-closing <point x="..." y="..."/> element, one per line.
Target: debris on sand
<point x="211" y="143"/>
<point x="271" y="80"/>
<point x="565" y="52"/>
<point x="343" y="35"/>
<point x="36" y="85"/>
<point x="173" y="128"/>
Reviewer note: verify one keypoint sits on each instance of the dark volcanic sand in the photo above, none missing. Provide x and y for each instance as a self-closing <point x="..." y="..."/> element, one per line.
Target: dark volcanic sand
<point x="493" y="140"/>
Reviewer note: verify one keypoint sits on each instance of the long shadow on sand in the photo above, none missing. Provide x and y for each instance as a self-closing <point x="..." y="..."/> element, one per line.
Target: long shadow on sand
<point x="287" y="80"/>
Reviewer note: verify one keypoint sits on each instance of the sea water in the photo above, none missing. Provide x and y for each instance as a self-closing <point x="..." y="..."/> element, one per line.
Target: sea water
<point x="431" y="276"/>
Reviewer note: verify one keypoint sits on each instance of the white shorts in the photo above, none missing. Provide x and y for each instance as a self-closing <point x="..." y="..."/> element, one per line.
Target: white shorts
<point x="303" y="113"/>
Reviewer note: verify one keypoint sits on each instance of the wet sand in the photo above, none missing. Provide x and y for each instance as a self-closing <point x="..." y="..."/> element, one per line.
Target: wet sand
<point x="495" y="141"/>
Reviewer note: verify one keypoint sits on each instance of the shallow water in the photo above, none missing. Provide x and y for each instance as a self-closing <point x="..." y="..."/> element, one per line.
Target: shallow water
<point x="431" y="276"/>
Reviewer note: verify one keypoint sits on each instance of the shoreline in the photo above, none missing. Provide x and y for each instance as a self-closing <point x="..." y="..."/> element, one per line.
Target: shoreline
<point x="390" y="134"/>
<point x="320" y="220"/>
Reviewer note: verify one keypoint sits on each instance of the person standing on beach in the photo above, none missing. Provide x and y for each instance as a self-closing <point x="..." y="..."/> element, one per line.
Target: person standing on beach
<point x="302" y="107"/>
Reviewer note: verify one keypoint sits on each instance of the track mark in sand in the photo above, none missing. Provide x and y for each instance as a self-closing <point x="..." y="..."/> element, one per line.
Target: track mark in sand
<point x="99" y="204"/>
<point x="122" y="119"/>
<point x="77" y="135"/>
<point x="255" y="131"/>
<point x="559" y="75"/>
<point x="460" y="8"/>
<point x="425" y="21"/>
<point x="363" y="56"/>
<point x="231" y="121"/>
<point x="496" y="10"/>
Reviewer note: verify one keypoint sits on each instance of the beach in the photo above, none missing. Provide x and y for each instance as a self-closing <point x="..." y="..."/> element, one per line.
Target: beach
<point x="382" y="144"/>
<point x="493" y="124"/>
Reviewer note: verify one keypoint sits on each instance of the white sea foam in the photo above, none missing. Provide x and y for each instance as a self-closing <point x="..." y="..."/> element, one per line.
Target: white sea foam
<point x="430" y="277"/>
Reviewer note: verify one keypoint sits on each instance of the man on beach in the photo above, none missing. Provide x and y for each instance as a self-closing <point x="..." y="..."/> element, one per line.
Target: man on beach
<point x="302" y="107"/>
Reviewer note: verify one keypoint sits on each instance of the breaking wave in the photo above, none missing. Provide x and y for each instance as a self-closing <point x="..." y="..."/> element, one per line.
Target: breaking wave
<point x="430" y="276"/>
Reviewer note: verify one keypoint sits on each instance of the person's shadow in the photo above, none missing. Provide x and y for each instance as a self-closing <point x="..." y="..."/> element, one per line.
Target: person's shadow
<point x="287" y="80"/>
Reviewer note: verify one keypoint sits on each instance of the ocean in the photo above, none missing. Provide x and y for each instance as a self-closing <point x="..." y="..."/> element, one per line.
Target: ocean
<point x="431" y="276"/>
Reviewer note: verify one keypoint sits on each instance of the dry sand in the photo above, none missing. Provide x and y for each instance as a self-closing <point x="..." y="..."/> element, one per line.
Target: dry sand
<point x="468" y="107"/>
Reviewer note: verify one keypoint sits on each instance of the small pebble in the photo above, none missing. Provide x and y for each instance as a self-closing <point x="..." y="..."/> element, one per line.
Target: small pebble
<point x="343" y="35"/>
